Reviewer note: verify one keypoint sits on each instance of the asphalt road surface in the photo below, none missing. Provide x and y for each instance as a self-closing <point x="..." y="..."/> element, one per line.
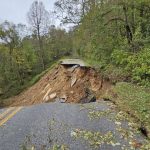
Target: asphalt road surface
<point x="68" y="126"/>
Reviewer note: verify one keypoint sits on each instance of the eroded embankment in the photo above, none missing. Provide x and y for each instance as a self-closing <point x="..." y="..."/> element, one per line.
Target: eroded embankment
<point x="71" y="84"/>
<point x="65" y="84"/>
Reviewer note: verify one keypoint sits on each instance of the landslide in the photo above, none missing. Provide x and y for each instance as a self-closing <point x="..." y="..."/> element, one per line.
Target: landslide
<point x="69" y="84"/>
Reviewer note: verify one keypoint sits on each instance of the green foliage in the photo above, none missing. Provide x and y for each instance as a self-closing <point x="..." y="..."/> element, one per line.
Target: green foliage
<point x="140" y="66"/>
<point x="137" y="64"/>
<point x="134" y="99"/>
<point x="20" y="57"/>
<point x="116" y="34"/>
<point x="119" y="58"/>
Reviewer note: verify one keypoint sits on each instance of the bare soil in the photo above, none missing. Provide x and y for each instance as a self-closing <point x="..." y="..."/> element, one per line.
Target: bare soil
<point x="70" y="84"/>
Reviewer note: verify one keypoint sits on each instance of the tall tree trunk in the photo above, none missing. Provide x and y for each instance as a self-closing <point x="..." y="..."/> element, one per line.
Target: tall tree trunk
<point x="83" y="8"/>
<point x="10" y="59"/>
<point x="41" y="48"/>
<point x="127" y="27"/>
<point x="133" y="16"/>
<point x="142" y="15"/>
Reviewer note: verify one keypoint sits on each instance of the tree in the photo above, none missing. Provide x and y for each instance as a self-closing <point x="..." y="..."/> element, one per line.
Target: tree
<point x="14" y="63"/>
<point x="9" y="37"/>
<point x="59" y="42"/>
<point x="71" y="11"/>
<point x="38" y="18"/>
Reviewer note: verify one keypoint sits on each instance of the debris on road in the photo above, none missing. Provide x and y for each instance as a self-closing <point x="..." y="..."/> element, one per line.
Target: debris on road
<point x="66" y="83"/>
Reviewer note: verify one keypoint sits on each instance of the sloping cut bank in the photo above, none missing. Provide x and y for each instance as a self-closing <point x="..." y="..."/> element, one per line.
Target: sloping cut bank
<point x="65" y="83"/>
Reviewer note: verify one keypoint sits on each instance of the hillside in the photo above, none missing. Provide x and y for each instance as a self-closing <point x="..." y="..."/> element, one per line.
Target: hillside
<point x="64" y="83"/>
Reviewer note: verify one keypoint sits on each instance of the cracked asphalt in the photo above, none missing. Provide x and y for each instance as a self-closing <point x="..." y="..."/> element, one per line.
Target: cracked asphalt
<point x="71" y="126"/>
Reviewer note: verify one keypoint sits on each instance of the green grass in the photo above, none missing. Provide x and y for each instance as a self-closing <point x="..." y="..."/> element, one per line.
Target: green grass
<point x="135" y="100"/>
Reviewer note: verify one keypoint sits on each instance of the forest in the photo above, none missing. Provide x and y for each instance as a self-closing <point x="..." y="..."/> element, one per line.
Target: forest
<point x="111" y="35"/>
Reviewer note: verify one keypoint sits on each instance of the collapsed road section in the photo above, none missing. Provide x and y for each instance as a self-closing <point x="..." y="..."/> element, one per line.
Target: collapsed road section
<point x="72" y="81"/>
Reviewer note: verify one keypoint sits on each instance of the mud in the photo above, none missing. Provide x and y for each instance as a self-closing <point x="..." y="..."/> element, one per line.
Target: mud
<point x="67" y="84"/>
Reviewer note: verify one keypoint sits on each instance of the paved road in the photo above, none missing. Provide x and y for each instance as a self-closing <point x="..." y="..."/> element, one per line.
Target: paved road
<point x="68" y="126"/>
<point x="73" y="62"/>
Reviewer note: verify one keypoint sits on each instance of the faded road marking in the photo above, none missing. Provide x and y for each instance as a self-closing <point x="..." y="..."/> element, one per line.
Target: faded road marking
<point x="10" y="116"/>
<point x="2" y="115"/>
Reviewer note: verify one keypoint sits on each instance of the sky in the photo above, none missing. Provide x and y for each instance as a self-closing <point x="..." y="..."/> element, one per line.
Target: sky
<point x="16" y="10"/>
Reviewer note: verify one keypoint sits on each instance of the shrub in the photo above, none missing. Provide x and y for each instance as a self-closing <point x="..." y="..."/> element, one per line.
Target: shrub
<point x="137" y="64"/>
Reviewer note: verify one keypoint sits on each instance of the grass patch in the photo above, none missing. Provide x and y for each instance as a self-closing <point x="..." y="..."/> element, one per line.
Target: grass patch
<point x="135" y="100"/>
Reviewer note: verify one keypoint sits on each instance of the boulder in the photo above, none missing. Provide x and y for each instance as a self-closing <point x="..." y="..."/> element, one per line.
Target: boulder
<point x="47" y="93"/>
<point x="53" y="95"/>
<point x="89" y="97"/>
<point x="47" y="99"/>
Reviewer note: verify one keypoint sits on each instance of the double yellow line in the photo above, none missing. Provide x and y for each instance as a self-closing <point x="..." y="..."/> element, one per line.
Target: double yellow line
<point x="8" y="114"/>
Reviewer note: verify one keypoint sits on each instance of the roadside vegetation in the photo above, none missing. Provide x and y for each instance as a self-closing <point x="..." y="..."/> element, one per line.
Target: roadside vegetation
<point x="135" y="100"/>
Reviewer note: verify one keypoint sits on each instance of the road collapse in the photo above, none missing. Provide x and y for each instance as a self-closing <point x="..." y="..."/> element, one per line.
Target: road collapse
<point x="68" y="82"/>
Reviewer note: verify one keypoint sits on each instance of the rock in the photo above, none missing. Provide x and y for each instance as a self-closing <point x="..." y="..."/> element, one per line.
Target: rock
<point x="47" y="99"/>
<point x="47" y="93"/>
<point x="72" y="92"/>
<point x="60" y="100"/>
<point x="52" y="96"/>
<point x="73" y="81"/>
<point x="63" y="99"/>
<point x="89" y="98"/>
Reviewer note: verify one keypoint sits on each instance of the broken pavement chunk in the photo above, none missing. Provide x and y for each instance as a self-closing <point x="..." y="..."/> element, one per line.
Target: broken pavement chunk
<point x="73" y="62"/>
<point x="73" y="68"/>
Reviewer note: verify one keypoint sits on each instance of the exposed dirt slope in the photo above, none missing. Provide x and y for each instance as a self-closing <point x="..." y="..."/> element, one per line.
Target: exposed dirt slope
<point x="65" y="83"/>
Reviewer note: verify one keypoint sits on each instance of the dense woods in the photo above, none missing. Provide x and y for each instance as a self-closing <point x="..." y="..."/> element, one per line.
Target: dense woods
<point x="27" y="51"/>
<point x="113" y="35"/>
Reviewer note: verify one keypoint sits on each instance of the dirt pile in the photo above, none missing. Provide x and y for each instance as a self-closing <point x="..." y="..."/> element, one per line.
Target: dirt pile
<point x="65" y="84"/>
